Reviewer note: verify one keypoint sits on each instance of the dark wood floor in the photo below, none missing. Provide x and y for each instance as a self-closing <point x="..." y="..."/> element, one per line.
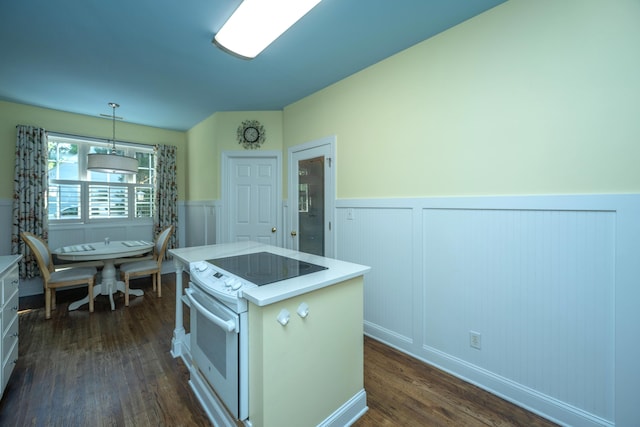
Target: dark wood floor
<point x="114" y="369"/>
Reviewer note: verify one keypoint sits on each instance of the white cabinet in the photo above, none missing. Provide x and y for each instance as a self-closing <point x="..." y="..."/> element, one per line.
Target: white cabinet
<point x="9" y="281"/>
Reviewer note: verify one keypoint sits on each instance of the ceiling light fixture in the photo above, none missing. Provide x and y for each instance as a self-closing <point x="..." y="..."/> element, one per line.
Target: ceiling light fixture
<point x="257" y="23"/>
<point x="112" y="162"/>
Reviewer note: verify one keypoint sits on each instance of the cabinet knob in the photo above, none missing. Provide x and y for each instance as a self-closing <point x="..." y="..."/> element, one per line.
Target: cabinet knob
<point x="294" y="234"/>
<point x="303" y="310"/>
<point x="274" y="229"/>
<point x="15" y="335"/>
<point x="283" y="317"/>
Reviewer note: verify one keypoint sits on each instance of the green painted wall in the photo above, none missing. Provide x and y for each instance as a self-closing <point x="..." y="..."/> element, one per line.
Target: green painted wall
<point x="217" y="133"/>
<point x="12" y="114"/>
<point x="531" y="97"/>
<point x="198" y="161"/>
<point x="528" y="98"/>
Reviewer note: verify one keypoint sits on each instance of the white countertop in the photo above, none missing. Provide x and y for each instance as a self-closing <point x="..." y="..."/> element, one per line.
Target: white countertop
<point x="7" y="261"/>
<point x="337" y="271"/>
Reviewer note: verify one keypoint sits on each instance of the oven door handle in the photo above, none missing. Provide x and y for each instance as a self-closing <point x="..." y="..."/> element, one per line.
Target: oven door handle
<point x="227" y="325"/>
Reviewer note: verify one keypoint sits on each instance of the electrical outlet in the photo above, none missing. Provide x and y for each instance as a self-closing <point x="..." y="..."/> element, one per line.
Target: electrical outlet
<point x="475" y="340"/>
<point x="350" y="214"/>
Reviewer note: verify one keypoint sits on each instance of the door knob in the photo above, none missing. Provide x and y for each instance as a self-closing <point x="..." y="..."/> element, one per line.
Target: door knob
<point x="294" y="234"/>
<point x="273" y="230"/>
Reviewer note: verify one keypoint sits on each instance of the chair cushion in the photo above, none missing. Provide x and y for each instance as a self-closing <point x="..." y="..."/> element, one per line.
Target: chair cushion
<point x="72" y="274"/>
<point x="138" y="266"/>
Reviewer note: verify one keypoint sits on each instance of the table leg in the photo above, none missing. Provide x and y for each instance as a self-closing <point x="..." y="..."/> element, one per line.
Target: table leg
<point x="108" y="282"/>
<point x="108" y="286"/>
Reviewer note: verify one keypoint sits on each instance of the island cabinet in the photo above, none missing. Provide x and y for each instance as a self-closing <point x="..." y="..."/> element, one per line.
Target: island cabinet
<point x="306" y="358"/>
<point x="9" y="281"/>
<point x="299" y="337"/>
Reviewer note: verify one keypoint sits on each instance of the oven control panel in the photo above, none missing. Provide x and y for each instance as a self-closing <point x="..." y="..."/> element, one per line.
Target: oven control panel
<point x="217" y="282"/>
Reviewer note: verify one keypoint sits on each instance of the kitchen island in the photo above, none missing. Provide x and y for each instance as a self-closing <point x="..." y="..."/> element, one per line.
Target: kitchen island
<point x="305" y="342"/>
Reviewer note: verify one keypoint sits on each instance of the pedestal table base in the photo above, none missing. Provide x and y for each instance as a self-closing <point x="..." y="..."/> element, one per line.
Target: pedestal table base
<point x="108" y="286"/>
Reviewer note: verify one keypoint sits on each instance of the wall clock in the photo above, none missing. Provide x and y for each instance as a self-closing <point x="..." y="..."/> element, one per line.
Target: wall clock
<point x="251" y="134"/>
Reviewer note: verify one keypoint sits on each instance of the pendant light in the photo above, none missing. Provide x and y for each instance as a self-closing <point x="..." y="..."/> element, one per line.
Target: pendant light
<point x="112" y="162"/>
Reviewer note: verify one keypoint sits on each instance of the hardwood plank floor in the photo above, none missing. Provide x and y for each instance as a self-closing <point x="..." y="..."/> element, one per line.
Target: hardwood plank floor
<point x="115" y="369"/>
<point x="403" y="391"/>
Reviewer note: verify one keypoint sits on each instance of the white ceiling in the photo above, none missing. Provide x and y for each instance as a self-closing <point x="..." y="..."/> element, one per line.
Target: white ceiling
<point x="156" y="59"/>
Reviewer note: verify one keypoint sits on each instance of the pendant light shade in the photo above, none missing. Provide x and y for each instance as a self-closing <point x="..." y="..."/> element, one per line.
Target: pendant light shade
<point x="112" y="162"/>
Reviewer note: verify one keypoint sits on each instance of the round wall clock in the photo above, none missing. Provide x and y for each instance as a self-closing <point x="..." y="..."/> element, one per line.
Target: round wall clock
<point x="251" y="134"/>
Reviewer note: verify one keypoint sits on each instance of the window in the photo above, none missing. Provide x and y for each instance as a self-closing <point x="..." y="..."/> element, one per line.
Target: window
<point x="79" y="195"/>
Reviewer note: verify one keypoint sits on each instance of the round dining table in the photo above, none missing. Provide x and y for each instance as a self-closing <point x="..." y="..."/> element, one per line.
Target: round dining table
<point x="107" y="252"/>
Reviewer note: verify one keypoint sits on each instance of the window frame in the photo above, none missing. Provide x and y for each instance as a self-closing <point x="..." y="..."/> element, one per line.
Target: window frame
<point x="84" y="146"/>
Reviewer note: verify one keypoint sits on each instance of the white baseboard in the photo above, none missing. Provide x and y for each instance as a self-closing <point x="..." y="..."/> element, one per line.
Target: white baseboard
<point x="349" y="412"/>
<point x="29" y="287"/>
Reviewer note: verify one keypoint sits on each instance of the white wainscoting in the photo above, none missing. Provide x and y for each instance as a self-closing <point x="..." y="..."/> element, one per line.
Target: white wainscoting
<point x="71" y="234"/>
<point x="6" y="208"/>
<point x="201" y="219"/>
<point x="545" y="280"/>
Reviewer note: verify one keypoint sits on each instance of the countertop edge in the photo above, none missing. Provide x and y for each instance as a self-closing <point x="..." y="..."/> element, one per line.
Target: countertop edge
<point x="252" y="295"/>
<point x="6" y="261"/>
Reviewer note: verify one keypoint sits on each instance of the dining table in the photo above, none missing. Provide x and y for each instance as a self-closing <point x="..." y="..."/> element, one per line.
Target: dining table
<point x="107" y="252"/>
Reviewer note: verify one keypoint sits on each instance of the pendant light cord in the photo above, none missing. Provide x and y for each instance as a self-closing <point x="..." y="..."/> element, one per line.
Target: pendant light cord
<point x="113" y="105"/>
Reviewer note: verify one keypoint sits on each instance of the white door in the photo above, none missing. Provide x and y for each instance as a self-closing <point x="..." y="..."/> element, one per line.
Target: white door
<point x="251" y="194"/>
<point x="312" y="197"/>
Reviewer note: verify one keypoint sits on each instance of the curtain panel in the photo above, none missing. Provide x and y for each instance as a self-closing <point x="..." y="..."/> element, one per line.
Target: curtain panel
<point x="166" y="212"/>
<point x="29" y="194"/>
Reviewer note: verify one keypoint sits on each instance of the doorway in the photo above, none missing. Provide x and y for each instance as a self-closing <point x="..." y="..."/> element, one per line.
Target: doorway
<point x="312" y="197"/>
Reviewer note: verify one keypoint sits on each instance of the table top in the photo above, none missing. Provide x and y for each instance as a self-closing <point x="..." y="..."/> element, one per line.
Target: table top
<point x="101" y="250"/>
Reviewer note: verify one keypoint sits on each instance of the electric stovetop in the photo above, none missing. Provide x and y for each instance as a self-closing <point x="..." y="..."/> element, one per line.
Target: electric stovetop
<point x="262" y="268"/>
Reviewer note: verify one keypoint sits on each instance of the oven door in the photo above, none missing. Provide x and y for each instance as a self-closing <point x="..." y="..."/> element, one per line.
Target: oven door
<point x="215" y="348"/>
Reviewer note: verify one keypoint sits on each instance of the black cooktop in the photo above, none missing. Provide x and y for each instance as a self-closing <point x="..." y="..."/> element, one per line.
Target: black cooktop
<point x="262" y="268"/>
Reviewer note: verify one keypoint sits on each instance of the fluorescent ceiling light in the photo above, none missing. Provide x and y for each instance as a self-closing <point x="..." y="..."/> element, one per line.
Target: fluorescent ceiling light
<point x="257" y="23"/>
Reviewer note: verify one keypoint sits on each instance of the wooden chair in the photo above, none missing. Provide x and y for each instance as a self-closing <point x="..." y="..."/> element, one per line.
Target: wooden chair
<point x="53" y="279"/>
<point x="147" y="267"/>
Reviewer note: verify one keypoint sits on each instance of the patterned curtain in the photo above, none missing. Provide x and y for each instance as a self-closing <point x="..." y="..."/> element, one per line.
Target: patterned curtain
<point x="166" y="212"/>
<point x="29" y="194"/>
